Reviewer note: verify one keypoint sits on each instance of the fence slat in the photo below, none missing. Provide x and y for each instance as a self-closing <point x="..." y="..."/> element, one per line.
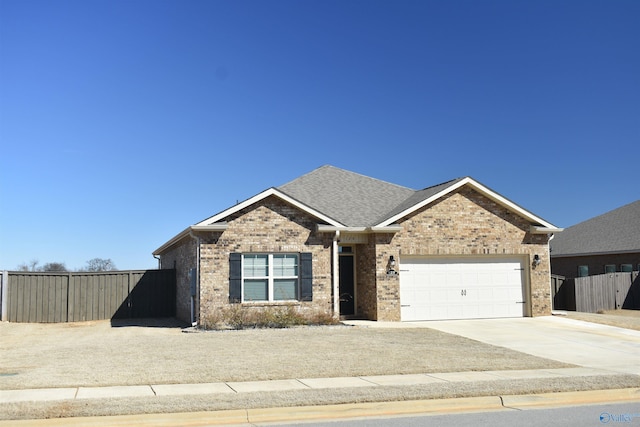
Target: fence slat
<point x="72" y="297"/>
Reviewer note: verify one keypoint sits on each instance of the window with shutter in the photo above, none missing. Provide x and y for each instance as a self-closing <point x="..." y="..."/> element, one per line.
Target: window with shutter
<point x="270" y="277"/>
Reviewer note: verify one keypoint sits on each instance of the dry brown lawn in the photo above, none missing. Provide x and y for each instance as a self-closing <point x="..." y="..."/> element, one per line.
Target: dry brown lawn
<point x="629" y="319"/>
<point x="97" y="354"/>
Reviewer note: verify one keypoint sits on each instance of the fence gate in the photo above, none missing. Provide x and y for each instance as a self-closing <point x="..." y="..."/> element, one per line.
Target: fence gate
<point x="74" y="297"/>
<point x="563" y="293"/>
<point x="609" y="291"/>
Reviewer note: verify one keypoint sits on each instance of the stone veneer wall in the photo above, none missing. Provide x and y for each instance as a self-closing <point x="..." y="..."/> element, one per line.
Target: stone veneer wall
<point x="269" y="226"/>
<point x="462" y="223"/>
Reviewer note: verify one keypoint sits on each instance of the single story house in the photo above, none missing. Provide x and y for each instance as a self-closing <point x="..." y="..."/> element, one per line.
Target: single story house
<point x="353" y="246"/>
<point x="607" y="243"/>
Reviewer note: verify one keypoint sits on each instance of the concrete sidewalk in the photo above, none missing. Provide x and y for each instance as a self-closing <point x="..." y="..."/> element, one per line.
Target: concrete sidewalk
<point x="76" y="393"/>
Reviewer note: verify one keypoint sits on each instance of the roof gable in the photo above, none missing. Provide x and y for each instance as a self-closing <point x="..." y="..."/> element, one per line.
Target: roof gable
<point x="261" y="196"/>
<point x="415" y="201"/>
<point x="424" y="197"/>
<point x="614" y="231"/>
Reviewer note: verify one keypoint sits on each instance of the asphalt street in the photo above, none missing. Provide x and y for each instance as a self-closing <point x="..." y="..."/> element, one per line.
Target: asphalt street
<point x="627" y="414"/>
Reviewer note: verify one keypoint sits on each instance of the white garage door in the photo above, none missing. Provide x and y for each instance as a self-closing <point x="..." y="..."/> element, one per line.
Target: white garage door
<point x="461" y="288"/>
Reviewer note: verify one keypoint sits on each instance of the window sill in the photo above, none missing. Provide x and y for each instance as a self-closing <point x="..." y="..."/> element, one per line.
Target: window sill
<point x="271" y="303"/>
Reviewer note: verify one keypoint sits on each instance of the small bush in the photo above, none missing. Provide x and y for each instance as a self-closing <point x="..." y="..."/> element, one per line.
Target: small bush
<point x="237" y="317"/>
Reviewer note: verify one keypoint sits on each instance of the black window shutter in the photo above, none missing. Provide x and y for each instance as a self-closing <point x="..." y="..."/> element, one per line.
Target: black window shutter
<point x="235" y="277"/>
<point x="306" y="276"/>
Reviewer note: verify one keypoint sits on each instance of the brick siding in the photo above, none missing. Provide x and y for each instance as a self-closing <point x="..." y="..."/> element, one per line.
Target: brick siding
<point x="270" y="226"/>
<point x="460" y="224"/>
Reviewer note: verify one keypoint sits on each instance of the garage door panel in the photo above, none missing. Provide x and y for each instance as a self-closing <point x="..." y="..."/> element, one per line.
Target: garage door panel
<point x="450" y="288"/>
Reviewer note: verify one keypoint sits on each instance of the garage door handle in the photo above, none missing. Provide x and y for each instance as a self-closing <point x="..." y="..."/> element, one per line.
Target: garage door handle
<point x="405" y="305"/>
<point x="521" y="302"/>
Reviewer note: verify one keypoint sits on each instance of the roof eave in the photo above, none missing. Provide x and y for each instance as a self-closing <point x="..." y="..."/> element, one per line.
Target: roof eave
<point x="322" y="228"/>
<point x="536" y="229"/>
<point x="175" y="239"/>
<point x="187" y="232"/>
<point x="629" y="251"/>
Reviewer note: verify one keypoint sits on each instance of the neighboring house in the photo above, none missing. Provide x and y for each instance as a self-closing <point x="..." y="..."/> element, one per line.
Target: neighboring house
<point x="349" y="245"/>
<point x="607" y="243"/>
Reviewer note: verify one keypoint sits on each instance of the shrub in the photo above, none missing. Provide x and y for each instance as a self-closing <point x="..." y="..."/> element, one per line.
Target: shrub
<point x="237" y="317"/>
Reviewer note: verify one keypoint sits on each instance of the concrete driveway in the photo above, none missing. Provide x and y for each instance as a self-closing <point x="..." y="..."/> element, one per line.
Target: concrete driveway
<point x="554" y="337"/>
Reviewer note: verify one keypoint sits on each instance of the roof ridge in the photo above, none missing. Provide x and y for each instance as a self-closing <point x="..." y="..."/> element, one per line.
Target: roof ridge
<point x="350" y="197"/>
<point x="335" y="168"/>
<point x="372" y="178"/>
<point x="303" y="175"/>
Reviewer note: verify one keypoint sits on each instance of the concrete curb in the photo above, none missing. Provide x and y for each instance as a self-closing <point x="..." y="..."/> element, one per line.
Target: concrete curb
<point x="571" y="398"/>
<point x="345" y="411"/>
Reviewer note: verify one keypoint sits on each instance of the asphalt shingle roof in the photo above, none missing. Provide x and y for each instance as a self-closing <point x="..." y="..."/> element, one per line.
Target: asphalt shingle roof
<point x="352" y="199"/>
<point x="614" y="231"/>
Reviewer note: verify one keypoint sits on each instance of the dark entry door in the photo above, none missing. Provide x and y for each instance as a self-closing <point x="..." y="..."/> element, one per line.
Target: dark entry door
<point x="347" y="286"/>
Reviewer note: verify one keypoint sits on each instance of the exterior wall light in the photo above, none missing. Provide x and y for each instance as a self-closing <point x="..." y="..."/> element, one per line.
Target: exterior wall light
<point x="536" y="260"/>
<point x="391" y="267"/>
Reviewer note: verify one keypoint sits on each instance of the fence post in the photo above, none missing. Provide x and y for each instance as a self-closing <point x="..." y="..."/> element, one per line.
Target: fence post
<point x="129" y="299"/>
<point x="68" y="293"/>
<point x="3" y="295"/>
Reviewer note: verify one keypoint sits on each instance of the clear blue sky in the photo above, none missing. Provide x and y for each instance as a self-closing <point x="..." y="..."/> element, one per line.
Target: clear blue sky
<point x="124" y="122"/>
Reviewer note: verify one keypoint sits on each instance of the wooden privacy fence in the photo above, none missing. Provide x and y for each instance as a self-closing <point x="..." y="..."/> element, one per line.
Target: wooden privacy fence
<point x="73" y="297"/>
<point x="563" y="293"/>
<point x="607" y="292"/>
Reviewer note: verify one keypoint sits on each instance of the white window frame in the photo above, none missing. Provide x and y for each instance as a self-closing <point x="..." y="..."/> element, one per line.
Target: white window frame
<point x="271" y="278"/>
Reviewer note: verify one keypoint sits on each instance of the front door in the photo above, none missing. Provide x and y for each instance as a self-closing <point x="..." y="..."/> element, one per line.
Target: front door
<point x="347" y="284"/>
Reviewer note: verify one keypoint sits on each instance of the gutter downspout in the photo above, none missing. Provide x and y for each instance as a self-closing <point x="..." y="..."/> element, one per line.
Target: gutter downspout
<point x="551" y="236"/>
<point x="336" y="275"/>
<point x="159" y="261"/>
<point x="194" y="322"/>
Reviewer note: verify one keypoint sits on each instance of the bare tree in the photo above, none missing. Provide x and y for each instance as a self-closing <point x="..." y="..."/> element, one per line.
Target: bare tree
<point x="53" y="266"/>
<point x="30" y="266"/>
<point x="100" y="264"/>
